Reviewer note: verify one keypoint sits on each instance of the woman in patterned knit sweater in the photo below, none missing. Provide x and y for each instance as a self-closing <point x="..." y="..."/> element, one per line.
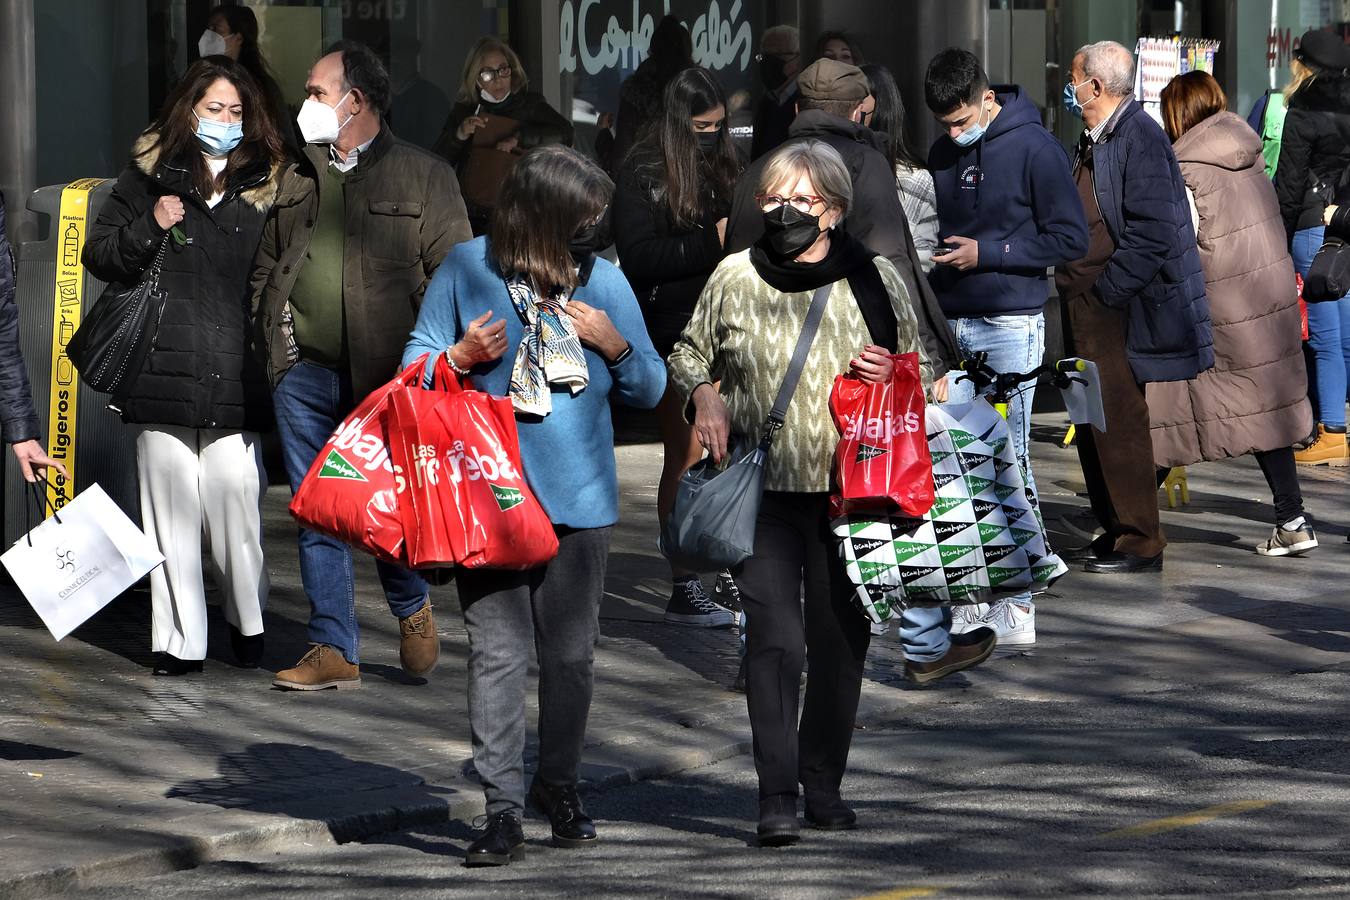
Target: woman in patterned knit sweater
<point x="742" y="333"/>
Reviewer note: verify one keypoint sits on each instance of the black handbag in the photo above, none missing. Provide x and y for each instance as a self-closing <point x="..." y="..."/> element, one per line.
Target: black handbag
<point x="1329" y="275"/>
<point x="113" y="340"/>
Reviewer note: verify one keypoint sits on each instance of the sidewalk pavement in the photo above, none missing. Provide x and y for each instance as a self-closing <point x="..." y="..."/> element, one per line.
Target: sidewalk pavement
<point x="108" y="774"/>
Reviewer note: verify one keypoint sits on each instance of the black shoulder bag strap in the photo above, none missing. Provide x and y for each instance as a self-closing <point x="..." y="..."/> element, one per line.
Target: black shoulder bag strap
<point x="778" y="414"/>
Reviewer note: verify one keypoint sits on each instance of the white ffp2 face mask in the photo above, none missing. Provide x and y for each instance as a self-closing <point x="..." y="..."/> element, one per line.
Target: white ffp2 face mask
<point x="211" y="44"/>
<point x="319" y="122"/>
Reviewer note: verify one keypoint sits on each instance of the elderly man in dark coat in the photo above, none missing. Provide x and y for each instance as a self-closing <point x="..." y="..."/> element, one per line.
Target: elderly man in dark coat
<point x="1135" y="304"/>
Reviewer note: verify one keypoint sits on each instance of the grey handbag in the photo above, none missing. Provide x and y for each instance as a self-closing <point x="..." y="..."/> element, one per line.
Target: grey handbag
<point x="712" y="523"/>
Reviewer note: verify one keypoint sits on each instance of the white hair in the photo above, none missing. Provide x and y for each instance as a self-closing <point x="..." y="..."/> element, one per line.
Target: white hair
<point x="1111" y="64"/>
<point x="819" y="162"/>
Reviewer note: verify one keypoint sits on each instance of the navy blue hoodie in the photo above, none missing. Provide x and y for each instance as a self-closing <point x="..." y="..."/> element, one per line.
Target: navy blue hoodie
<point x="1012" y="191"/>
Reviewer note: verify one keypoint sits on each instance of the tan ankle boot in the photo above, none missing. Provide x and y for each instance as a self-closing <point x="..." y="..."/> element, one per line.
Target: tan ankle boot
<point x="322" y="667"/>
<point x="419" y="647"/>
<point x="1329" y="449"/>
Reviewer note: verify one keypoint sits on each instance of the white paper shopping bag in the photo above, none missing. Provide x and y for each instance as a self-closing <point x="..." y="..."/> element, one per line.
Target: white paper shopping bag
<point x="77" y="561"/>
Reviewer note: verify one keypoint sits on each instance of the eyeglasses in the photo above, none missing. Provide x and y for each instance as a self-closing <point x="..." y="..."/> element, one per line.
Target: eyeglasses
<point x="487" y="76"/>
<point x="800" y="202"/>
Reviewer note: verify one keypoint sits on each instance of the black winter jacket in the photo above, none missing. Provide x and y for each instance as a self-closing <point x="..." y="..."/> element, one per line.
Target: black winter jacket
<point x="540" y="124"/>
<point x="203" y="370"/>
<point x="876" y="220"/>
<point x="667" y="267"/>
<point x="1314" y="150"/>
<point x="18" y="419"/>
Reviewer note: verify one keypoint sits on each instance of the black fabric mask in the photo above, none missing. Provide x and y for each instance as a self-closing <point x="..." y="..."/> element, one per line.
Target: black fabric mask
<point x="590" y="239"/>
<point x="707" y="140"/>
<point x="771" y="72"/>
<point x="789" y="231"/>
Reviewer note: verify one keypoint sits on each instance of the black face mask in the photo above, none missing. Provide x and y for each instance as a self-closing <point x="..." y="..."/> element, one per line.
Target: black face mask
<point x="790" y="231"/>
<point x="590" y="239"/>
<point x="771" y="73"/>
<point x="707" y="140"/>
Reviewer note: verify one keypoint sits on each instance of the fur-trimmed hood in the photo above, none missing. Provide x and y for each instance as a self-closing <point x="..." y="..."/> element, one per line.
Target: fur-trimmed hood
<point x="1325" y="92"/>
<point x="262" y="189"/>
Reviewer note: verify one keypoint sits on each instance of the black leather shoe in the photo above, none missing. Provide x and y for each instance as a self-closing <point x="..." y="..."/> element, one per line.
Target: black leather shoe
<point x="166" y="664"/>
<point x="829" y="812"/>
<point x="1115" y="563"/>
<point x="248" y="649"/>
<point x="571" y="826"/>
<point x="502" y="841"/>
<point x="778" y="824"/>
<point x="1085" y="553"/>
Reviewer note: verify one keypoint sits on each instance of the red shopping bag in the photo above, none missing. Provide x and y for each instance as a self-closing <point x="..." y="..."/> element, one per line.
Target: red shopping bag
<point x="882" y="460"/>
<point x="353" y="490"/>
<point x="468" y="503"/>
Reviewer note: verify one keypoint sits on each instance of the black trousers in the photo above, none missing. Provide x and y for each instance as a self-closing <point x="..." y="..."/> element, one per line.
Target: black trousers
<point x="793" y="548"/>
<point x="1281" y="472"/>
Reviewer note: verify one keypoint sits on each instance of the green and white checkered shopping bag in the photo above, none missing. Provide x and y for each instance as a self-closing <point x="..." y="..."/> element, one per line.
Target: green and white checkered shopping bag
<point x="983" y="536"/>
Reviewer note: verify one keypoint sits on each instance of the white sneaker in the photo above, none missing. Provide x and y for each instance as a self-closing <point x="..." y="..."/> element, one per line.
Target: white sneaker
<point x="1013" y="622"/>
<point x="968" y="617"/>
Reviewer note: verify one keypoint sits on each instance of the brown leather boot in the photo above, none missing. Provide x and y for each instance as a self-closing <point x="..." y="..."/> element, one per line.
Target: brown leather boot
<point x="322" y="667"/>
<point x="419" y="647"/>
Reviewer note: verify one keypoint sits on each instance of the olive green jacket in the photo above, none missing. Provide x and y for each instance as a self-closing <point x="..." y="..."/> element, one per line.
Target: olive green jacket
<point x="403" y="214"/>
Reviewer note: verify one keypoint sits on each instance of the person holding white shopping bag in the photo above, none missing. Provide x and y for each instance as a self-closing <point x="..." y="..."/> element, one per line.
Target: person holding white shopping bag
<point x="198" y="188"/>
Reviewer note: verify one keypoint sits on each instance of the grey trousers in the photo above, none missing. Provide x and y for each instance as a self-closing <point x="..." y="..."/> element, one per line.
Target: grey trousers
<point x="557" y="606"/>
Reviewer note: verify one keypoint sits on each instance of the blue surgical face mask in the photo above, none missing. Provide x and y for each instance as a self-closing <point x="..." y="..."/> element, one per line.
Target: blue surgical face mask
<point x="219" y="138"/>
<point x="1071" y="98"/>
<point x="971" y="134"/>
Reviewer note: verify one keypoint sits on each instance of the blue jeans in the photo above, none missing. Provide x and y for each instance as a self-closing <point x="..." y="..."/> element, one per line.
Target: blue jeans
<point x="1014" y="344"/>
<point x="310" y="401"/>
<point x="1328" y="336"/>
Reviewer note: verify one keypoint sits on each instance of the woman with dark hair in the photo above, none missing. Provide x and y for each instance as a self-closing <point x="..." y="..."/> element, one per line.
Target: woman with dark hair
<point x="670" y="52"/>
<point x="1255" y="399"/>
<point x="532" y="314"/>
<point x="912" y="178"/>
<point x="1314" y="155"/>
<point x="233" y="31"/>
<point x="201" y="181"/>
<point x="743" y="331"/>
<point x="670" y="219"/>
<point x="495" y="119"/>
<point x="839" y="46"/>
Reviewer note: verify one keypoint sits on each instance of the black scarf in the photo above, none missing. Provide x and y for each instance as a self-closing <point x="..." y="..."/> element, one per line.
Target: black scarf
<point x="848" y="260"/>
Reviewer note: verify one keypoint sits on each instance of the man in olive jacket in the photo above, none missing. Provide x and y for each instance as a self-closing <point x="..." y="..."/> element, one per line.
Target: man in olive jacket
<point x="360" y="224"/>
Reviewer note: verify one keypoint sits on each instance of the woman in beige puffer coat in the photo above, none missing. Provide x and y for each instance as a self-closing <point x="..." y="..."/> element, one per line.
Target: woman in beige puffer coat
<point x="1255" y="399"/>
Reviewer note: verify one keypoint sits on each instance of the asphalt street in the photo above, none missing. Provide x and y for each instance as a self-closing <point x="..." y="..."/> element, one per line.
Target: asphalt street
<point x="1168" y="792"/>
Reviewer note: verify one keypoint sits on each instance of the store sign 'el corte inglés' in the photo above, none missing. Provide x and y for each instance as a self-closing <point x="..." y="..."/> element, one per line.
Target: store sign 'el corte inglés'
<point x="71" y="230"/>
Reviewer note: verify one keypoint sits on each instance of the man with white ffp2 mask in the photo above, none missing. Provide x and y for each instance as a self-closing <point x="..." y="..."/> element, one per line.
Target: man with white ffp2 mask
<point x="362" y="220"/>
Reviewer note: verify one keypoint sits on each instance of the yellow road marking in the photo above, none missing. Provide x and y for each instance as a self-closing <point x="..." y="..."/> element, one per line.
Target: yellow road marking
<point x="1199" y="817"/>
<point x="901" y="894"/>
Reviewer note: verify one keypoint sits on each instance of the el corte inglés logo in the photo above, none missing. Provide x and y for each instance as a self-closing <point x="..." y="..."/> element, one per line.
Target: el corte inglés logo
<point x="507" y="497"/>
<point x="335" y="466"/>
<point x="867" y="451"/>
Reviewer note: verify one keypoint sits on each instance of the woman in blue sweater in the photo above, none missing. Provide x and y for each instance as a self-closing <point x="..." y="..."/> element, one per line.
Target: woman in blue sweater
<point x="531" y="313"/>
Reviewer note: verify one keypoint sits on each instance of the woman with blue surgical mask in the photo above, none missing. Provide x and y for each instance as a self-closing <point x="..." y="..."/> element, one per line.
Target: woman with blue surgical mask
<point x="193" y="202"/>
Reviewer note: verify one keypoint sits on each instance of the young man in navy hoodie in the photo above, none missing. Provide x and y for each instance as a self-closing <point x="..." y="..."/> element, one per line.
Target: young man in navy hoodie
<point x="1007" y="211"/>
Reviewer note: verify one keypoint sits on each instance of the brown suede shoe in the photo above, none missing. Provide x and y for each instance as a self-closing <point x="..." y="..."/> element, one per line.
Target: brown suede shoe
<point x="968" y="649"/>
<point x="419" y="647"/>
<point x="322" y="667"/>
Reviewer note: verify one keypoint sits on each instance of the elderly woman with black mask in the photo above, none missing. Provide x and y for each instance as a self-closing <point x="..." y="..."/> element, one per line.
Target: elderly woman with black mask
<point x="743" y="332"/>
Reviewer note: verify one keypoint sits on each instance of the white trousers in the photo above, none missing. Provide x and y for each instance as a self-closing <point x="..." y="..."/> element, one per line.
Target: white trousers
<point x="202" y="484"/>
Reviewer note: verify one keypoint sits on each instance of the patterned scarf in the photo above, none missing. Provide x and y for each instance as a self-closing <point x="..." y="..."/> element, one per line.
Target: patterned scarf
<point x="550" y="352"/>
